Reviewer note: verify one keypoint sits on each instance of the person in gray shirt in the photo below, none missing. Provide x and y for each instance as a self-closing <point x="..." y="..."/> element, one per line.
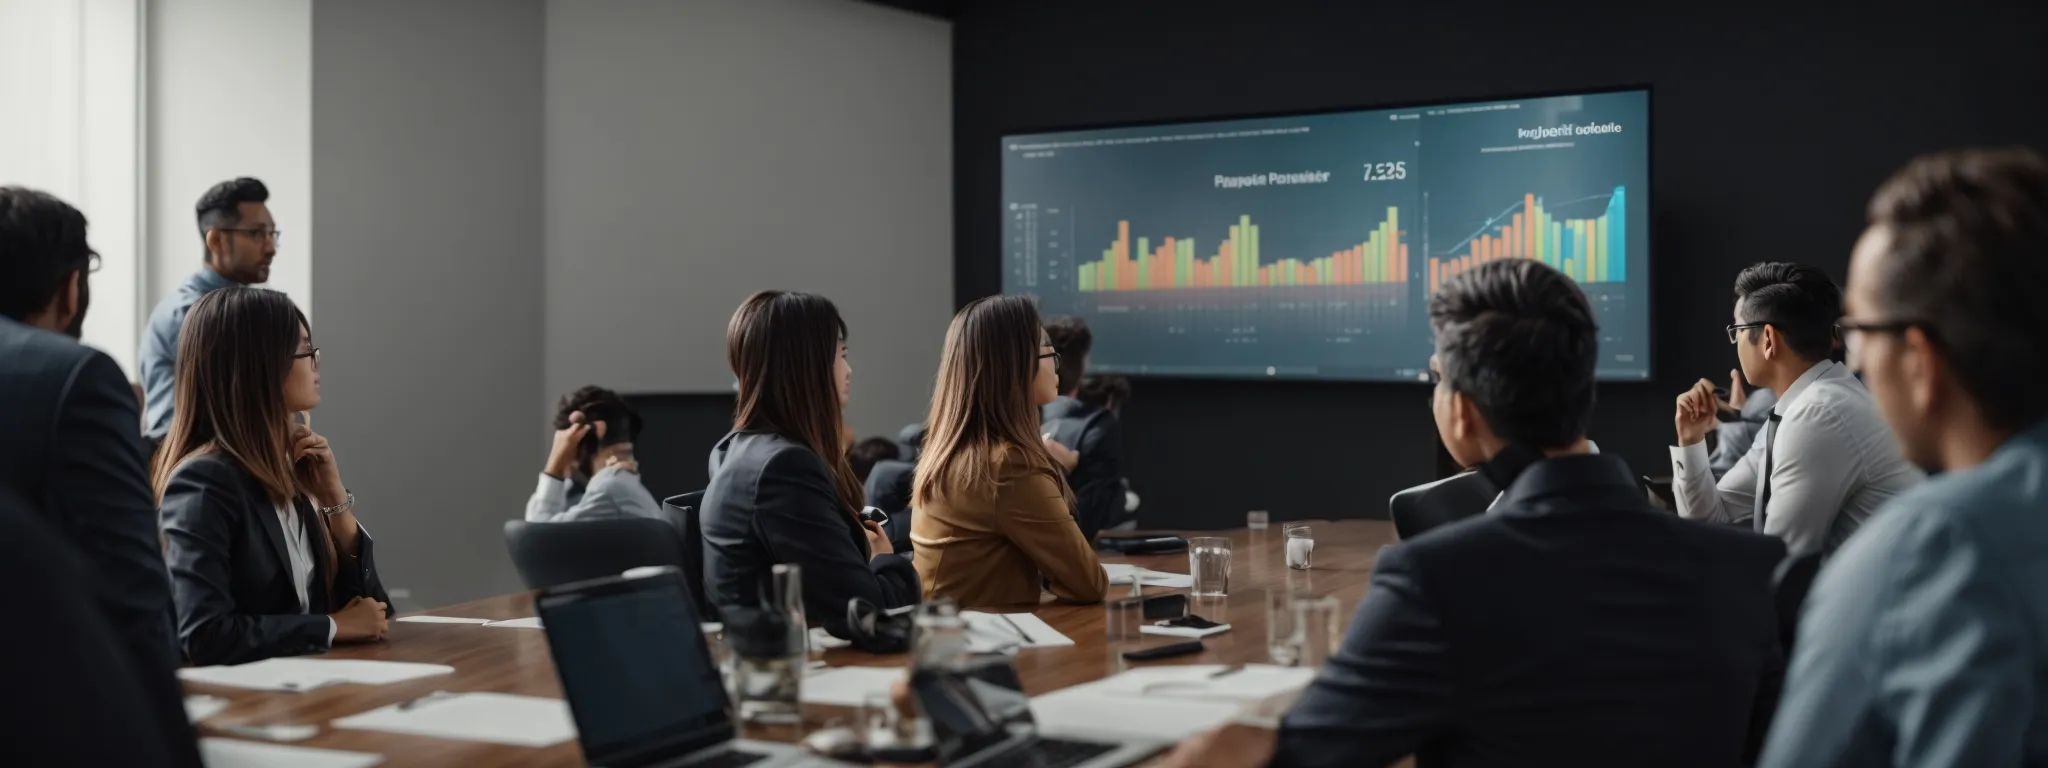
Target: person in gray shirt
<point x="1744" y="412"/>
<point x="1924" y="642"/>
<point x="241" y="240"/>
<point x="590" y="473"/>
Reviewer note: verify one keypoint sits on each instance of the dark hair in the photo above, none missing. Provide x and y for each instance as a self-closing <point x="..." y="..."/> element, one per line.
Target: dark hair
<point x="1518" y="338"/>
<point x="42" y="241"/>
<point x="981" y="404"/>
<point x="865" y="454"/>
<point x="1969" y="260"/>
<point x="234" y="353"/>
<point x="782" y="346"/>
<point x="1798" y="300"/>
<point x="221" y="206"/>
<point x="597" y="404"/>
<point x="1070" y="338"/>
<point x="1109" y="392"/>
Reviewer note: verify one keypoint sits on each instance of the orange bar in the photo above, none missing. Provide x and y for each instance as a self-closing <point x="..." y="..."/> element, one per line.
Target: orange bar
<point x="1222" y="273"/>
<point x="1404" y="263"/>
<point x="1512" y="234"/>
<point x="1123" y="254"/>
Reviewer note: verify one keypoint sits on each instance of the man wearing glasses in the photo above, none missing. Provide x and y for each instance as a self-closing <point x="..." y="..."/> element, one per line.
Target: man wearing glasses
<point x="1825" y="459"/>
<point x="240" y="239"/>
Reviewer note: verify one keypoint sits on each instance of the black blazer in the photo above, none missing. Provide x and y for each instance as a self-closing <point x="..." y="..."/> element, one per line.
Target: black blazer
<point x="888" y="489"/>
<point x="1573" y="625"/>
<point x="71" y="448"/>
<point x="231" y="574"/>
<point x="773" y="501"/>
<point x="1098" y="478"/>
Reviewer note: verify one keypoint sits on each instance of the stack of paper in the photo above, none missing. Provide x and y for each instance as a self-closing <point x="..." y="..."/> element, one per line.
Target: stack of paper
<point x="530" y="622"/>
<point x="234" y="753"/>
<point x="1121" y="573"/>
<point x="1080" y="710"/>
<point x="499" y="718"/>
<point x="1007" y="631"/>
<point x="847" y="686"/>
<point x="292" y="674"/>
<point x="1248" y="684"/>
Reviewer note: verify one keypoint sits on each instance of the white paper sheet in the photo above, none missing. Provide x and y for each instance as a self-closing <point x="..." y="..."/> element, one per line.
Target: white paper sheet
<point x="499" y="718"/>
<point x="1079" y="711"/>
<point x="530" y="622"/>
<point x="1122" y="573"/>
<point x="991" y="631"/>
<point x="1249" y="684"/>
<point x="847" y="686"/>
<point x="442" y="620"/>
<point x="199" y="708"/>
<point x="234" y="753"/>
<point x="293" y="674"/>
<point x="1154" y="629"/>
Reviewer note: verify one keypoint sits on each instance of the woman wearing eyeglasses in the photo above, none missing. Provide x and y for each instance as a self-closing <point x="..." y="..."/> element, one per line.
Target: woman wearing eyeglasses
<point x="265" y="553"/>
<point x="995" y="518"/>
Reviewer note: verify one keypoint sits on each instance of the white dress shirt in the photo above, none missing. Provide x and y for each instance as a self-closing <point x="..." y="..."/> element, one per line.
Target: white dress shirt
<point x="299" y="550"/>
<point x="1833" y="464"/>
<point x="612" y="492"/>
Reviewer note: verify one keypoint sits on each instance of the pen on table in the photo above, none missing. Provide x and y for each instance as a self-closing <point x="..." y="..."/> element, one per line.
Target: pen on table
<point x="1023" y="637"/>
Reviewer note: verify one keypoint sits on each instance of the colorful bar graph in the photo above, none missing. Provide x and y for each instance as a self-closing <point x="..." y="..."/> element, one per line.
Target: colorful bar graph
<point x="1589" y="250"/>
<point x="1172" y="264"/>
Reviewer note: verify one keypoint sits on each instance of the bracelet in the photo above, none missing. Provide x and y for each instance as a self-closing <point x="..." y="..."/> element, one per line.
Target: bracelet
<point x="348" y="504"/>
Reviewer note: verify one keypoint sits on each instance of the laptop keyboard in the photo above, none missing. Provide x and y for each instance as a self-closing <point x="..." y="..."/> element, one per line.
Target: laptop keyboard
<point x="731" y="758"/>
<point x="1054" y="753"/>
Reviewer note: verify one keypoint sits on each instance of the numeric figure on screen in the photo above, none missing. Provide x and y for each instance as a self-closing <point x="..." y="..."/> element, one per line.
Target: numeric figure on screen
<point x="1572" y="614"/>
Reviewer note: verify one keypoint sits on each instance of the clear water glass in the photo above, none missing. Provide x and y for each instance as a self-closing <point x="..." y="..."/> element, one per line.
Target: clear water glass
<point x="768" y="686"/>
<point x="880" y="724"/>
<point x="1301" y="546"/>
<point x="1257" y="519"/>
<point x="1209" y="563"/>
<point x="1281" y="643"/>
<point x="1316" y="629"/>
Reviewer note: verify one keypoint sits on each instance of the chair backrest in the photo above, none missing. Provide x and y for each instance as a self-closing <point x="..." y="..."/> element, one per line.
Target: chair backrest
<point x="1789" y="586"/>
<point x="682" y="510"/>
<point x="552" y="554"/>
<point x="1439" y="503"/>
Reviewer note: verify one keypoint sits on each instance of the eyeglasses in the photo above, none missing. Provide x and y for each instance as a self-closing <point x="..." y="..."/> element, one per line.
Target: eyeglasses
<point x="312" y="352"/>
<point x="259" y="233"/>
<point x="1742" y="326"/>
<point x="1849" y="329"/>
<point x="1055" y="358"/>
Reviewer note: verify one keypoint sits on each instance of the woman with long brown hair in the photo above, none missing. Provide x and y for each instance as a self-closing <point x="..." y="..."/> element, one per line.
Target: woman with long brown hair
<point x="781" y="489"/>
<point x="995" y="518"/>
<point x="266" y="556"/>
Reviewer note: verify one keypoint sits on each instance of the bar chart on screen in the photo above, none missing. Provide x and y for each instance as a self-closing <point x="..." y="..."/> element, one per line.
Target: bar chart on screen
<point x="1589" y="248"/>
<point x="1236" y="260"/>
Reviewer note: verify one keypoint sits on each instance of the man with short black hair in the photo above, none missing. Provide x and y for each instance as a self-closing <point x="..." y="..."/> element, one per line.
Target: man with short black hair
<point x="1087" y="439"/>
<point x="240" y="240"/>
<point x="69" y="447"/>
<point x="1925" y="641"/>
<point x="1824" y="460"/>
<point x="1571" y="625"/>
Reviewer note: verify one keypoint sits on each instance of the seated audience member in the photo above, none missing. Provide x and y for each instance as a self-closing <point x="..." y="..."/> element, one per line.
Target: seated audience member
<point x="781" y="489"/>
<point x="995" y="518"/>
<point x="266" y="556"/>
<point x="1925" y="640"/>
<point x="911" y="439"/>
<point x="70" y="446"/>
<point x="239" y="238"/>
<point x="885" y="483"/>
<point x="1825" y="460"/>
<point x="864" y="455"/>
<point x="591" y="474"/>
<point x="1085" y="439"/>
<point x="1110" y="393"/>
<point x="81" y="700"/>
<point x="1575" y="625"/>
<point x="1741" y="417"/>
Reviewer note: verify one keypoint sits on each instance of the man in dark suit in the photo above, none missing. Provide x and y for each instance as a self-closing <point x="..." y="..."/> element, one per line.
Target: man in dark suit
<point x="70" y="436"/>
<point x="1086" y="438"/>
<point x="1571" y="625"/>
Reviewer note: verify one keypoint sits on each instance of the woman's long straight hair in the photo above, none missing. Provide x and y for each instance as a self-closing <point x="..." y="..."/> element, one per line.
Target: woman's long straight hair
<point x="233" y="356"/>
<point x="783" y="346"/>
<point x="981" y="403"/>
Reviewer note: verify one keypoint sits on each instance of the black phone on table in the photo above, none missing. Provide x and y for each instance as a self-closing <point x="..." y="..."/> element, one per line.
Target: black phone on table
<point x="1164" y="651"/>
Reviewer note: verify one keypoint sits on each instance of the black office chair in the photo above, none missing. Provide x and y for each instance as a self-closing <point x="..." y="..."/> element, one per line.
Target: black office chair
<point x="1440" y="503"/>
<point x="1789" y="585"/>
<point x="681" y="512"/>
<point x="552" y="554"/>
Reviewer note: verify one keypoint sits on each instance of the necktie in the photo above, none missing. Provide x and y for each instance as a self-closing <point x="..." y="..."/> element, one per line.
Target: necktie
<point x="1763" y="480"/>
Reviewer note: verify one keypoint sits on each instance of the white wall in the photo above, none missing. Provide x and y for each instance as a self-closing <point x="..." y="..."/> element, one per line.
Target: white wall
<point x="70" y="75"/>
<point x="427" y="165"/>
<point x="230" y="94"/>
<point x="700" y="151"/>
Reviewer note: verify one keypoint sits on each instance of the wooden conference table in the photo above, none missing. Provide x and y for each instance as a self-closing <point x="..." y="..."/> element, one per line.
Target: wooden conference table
<point x="511" y="660"/>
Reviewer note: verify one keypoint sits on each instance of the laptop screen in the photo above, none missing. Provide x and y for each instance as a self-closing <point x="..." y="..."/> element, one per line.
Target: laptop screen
<point x="634" y="667"/>
<point x="972" y="709"/>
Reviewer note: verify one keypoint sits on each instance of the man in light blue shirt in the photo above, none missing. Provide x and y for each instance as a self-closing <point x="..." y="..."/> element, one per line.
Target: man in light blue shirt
<point x="241" y="239"/>
<point x="1925" y="640"/>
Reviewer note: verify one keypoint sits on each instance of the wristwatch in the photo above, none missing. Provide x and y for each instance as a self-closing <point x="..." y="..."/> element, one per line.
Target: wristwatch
<point x="347" y="504"/>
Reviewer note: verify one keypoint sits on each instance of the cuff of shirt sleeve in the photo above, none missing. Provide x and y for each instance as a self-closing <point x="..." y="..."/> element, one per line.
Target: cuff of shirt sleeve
<point x="1688" y="459"/>
<point x="550" y="484"/>
<point x="331" y="629"/>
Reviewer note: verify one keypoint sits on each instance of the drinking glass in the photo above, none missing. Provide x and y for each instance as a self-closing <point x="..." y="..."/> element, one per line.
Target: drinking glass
<point x="1301" y="546"/>
<point x="1257" y="519"/>
<point x="880" y="723"/>
<point x="769" y="680"/>
<point x="1209" y="563"/>
<point x="1316" y="629"/>
<point x="1281" y="642"/>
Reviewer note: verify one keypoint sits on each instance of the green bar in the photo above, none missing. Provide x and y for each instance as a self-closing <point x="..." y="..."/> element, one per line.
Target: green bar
<point x="1556" y="243"/>
<point x="1184" y="264"/>
<point x="1255" y="247"/>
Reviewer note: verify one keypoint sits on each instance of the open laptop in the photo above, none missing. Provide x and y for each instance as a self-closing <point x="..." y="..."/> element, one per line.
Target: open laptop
<point x="982" y="719"/>
<point x="640" y="680"/>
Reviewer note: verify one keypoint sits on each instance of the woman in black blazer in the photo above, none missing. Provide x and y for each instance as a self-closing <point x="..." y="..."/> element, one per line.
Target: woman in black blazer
<point x="266" y="556"/>
<point x="781" y="489"/>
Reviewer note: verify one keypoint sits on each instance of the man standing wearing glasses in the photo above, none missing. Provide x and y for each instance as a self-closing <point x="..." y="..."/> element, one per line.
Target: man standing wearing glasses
<point x="241" y="239"/>
<point x="1825" y="459"/>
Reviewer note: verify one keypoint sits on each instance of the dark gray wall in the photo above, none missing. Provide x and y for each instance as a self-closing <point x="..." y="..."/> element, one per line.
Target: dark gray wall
<point x="427" y="155"/>
<point x="1771" y="130"/>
